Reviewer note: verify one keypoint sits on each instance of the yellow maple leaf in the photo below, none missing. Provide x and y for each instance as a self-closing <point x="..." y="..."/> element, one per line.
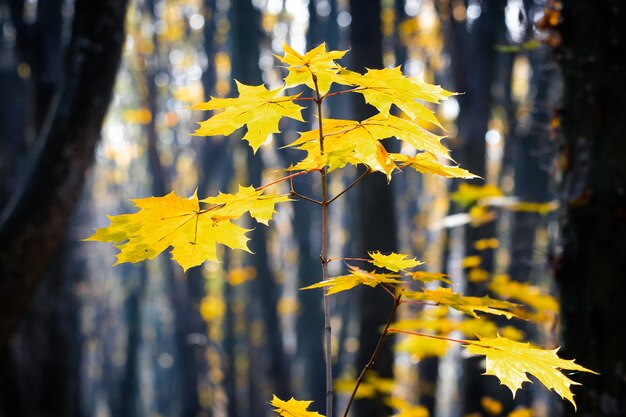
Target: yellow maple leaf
<point x="426" y="276"/>
<point x="317" y="61"/>
<point x="293" y="408"/>
<point x="357" y="276"/>
<point x="382" y="88"/>
<point x="256" y="107"/>
<point x="428" y="163"/>
<point x="511" y="361"/>
<point x="466" y="304"/>
<point x="352" y="142"/>
<point x="394" y="261"/>
<point x="247" y="199"/>
<point x="179" y="222"/>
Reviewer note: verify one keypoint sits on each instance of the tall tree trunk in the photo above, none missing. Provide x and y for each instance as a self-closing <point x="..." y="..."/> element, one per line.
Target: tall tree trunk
<point x="35" y="220"/>
<point x="592" y="260"/>
<point x="376" y="227"/>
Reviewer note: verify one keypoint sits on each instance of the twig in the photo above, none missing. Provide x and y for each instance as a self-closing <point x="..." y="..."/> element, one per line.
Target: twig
<point x="374" y="356"/>
<point x="432" y="336"/>
<point x="355" y="182"/>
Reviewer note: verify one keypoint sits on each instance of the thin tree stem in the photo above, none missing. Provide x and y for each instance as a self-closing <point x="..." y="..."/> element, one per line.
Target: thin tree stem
<point x="324" y="259"/>
<point x="375" y="354"/>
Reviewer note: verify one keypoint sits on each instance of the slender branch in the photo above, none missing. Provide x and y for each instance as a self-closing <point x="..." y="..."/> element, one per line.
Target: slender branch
<point x="355" y="182"/>
<point x="304" y="98"/>
<point x="303" y="197"/>
<point x="432" y="336"/>
<point x="324" y="259"/>
<point x="292" y="191"/>
<point x="288" y="177"/>
<point x="376" y="352"/>
<point x="349" y="259"/>
<point x="389" y="291"/>
<point x="336" y="93"/>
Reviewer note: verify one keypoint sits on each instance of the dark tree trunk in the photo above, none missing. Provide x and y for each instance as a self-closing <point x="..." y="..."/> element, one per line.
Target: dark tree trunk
<point x="592" y="260"/>
<point x="35" y="220"/>
<point x="376" y="227"/>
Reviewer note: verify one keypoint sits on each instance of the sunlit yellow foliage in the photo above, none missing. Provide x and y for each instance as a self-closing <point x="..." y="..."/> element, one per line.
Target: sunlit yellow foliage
<point x="428" y="163"/>
<point x="405" y="408"/>
<point x="212" y="307"/>
<point x="465" y="304"/>
<point x="141" y="116"/>
<point x="384" y="87"/>
<point x="468" y="194"/>
<point x="511" y="361"/>
<point x="256" y="107"/>
<point x="317" y="61"/>
<point x="178" y="222"/>
<point x="352" y="142"/>
<point x="533" y="296"/>
<point x="477" y="275"/>
<point x="425" y="276"/>
<point x="356" y="277"/>
<point x="293" y="408"/>
<point x="471" y="261"/>
<point x="394" y="261"/>
<point x="238" y="276"/>
<point x="484" y="244"/>
<point x="491" y="405"/>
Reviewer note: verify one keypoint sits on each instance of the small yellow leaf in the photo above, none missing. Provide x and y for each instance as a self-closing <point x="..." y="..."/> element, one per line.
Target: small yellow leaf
<point x="293" y="408"/>
<point x="465" y="304"/>
<point x="491" y="405"/>
<point x="484" y="244"/>
<point x="511" y="361"/>
<point x="477" y="275"/>
<point x="382" y="88"/>
<point x="357" y="276"/>
<point x="317" y="61"/>
<point x="256" y="107"/>
<point x="428" y="163"/>
<point x="471" y="261"/>
<point x="238" y="276"/>
<point x="394" y="261"/>
<point x="430" y="276"/>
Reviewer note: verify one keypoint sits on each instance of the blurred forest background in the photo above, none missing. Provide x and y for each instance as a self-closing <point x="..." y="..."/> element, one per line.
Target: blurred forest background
<point x="540" y="119"/>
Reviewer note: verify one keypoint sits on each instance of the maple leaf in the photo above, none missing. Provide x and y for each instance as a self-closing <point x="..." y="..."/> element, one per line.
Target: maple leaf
<point x="357" y="276"/>
<point x="394" y="261"/>
<point x="425" y="276"/>
<point x="511" y="361"/>
<point x="465" y="304"/>
<point x="317" y="61"/>
<point x="247" y="199"/>
<point x="428" y="163"/>
<point x="179" y="222"/>
<point x="256" y="107"/>
<point x="352" y="142"/>
<point x="293" y="408"/>
<point x="382" y="88"/>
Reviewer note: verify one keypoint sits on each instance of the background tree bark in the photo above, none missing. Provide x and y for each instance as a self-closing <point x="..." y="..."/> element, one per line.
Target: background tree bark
<point x="591" y="253"/>
<point x="34" y="222"/>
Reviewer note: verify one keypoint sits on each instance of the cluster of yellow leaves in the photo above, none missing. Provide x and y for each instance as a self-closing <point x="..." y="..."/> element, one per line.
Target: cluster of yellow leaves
<point x="345" y="141"/>
<point x="180" y="223"/>
<point x="357" y="276"/>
